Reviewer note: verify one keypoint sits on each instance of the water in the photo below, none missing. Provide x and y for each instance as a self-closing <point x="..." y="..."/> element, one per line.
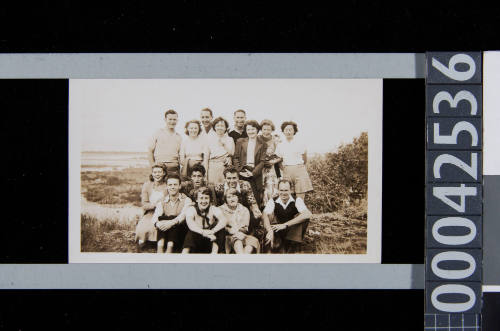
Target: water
<point x="105" y="161"/>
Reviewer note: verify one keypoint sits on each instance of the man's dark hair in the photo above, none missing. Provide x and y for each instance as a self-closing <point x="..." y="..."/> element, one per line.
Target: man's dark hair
<point x="240" y="111"/>
<point x="170" y="112"/>
<point x="197" y="167"/>
<point x="173" y="176"/>
<point x="209" y="110"/>
<point x="231" y="170"/>
<point x="285" y="180"/>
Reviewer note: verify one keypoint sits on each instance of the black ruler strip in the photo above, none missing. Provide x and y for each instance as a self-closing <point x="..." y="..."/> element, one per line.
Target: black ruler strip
<point x="454" y="190"/>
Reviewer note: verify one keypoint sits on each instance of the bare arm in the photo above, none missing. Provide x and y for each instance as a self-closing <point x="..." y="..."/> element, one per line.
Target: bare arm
<point x="220" y="216"/>
<point x="304" y="157"/>
<point x="245" y="221"/>
<point x="303" y="216"/>
<point x="190" y="215"/>
<point x="229" y="146"/>
<point x="182" y="216"/>
<point x="151" y="150"/>
<point x="182" y="152"/>
<point x="158" y="212"/>
<point x="267" y="223"/>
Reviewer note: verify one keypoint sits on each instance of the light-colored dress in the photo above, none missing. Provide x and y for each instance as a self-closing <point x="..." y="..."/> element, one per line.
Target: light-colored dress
<point x="150" y="196"/>
<point x="238" y="218"/>
<point x="217" y="156"/>
<point x="191" y="153"/>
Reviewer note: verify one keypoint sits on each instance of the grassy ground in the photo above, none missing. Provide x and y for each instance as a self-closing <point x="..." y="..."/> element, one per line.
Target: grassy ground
<point x="110" y="212"/>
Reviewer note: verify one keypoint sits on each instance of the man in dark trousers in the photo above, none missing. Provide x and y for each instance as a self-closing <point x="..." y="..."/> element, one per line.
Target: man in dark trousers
<point x="285" y="220"/>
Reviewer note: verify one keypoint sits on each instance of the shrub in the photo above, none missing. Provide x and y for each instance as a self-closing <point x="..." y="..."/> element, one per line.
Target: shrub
<point x="340" y="178"/>
<point x="358" y="210"/>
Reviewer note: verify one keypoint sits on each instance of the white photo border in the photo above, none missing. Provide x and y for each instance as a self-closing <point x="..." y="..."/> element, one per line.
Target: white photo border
<point x="374" y="222"/>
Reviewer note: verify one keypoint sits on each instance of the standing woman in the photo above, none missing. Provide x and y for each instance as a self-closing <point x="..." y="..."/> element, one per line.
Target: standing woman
<point x="294" y="155"/>
<point x="249" y="158"/>
<point x="238" y="220"/>
<point x="153" y="191"/>
<point x="192" y="149"/>
<point x="219" y="150"/>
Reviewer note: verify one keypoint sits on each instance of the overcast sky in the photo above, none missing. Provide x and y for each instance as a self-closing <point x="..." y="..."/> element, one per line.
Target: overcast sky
<point x="121" y="115"/>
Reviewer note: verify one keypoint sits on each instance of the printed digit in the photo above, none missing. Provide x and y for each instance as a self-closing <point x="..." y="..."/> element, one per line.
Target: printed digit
<point x="450" y="70"/>
<point x="447" y="158"/>
<point x="453" y="101"/>
<point x="453" y="289"/>
<point x="453" y="256"/>
<point x="457" y="222"/>
<point x="462" y="191"/>
<point x="452" y="139"/>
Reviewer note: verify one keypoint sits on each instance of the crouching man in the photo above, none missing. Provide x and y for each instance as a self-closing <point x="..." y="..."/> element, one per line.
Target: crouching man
<point x="285" y="220"/>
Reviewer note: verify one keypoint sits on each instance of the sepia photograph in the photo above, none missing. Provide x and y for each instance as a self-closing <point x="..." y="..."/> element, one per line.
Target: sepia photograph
<point x="225" y="170"/>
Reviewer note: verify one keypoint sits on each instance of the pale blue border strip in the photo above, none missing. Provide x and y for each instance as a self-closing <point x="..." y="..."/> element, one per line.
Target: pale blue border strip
<point x="213" y="65"/>
<point x="212" y="276"/>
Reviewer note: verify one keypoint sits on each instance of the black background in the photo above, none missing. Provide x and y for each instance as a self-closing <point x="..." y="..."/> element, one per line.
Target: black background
<point x="34" y="167"/>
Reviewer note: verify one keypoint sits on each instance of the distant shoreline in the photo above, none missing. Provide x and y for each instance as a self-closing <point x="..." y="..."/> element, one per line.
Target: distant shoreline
<point x="114" y="152"/>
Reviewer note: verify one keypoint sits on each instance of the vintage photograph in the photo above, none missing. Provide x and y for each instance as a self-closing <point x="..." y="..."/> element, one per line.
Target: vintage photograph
<point x="236" y="170"/>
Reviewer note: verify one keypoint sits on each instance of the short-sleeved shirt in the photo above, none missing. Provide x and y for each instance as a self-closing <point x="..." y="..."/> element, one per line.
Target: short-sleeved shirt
<point x="299" y="204"/>
<point x="165" y="146"/>
<point x="291" y="151"/>
<point x="170" y="207"/>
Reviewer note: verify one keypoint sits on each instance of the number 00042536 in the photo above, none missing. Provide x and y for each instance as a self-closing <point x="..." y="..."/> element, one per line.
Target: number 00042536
<point x="454" y="183"/>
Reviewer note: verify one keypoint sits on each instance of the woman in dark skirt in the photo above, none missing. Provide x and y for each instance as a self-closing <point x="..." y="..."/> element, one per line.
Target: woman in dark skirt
<point x="206" y="225"/>
<point x="248" y="158"/>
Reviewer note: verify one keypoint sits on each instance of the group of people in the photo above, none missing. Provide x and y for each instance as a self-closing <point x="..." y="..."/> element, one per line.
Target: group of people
<point x="224" y="191"/>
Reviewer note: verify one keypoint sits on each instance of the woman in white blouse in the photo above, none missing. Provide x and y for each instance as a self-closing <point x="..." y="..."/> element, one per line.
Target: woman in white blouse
<point x="219" y="150"/>
<point x="192" y="149"/>
<point x="294" y="155"/>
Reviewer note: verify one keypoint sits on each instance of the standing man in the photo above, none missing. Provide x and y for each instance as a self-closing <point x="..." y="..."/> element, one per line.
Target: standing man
<point x="238" y="131"/>
<point x="206" y="117"/>
<point x="165" y="144"/>
<point x="285" y="219"/>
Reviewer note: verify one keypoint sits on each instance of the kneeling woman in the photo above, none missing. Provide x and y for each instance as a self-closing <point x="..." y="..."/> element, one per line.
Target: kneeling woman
<point x="238" y="219"/>
<point x="206" y="225"/>
<point x="169" y="216"/>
